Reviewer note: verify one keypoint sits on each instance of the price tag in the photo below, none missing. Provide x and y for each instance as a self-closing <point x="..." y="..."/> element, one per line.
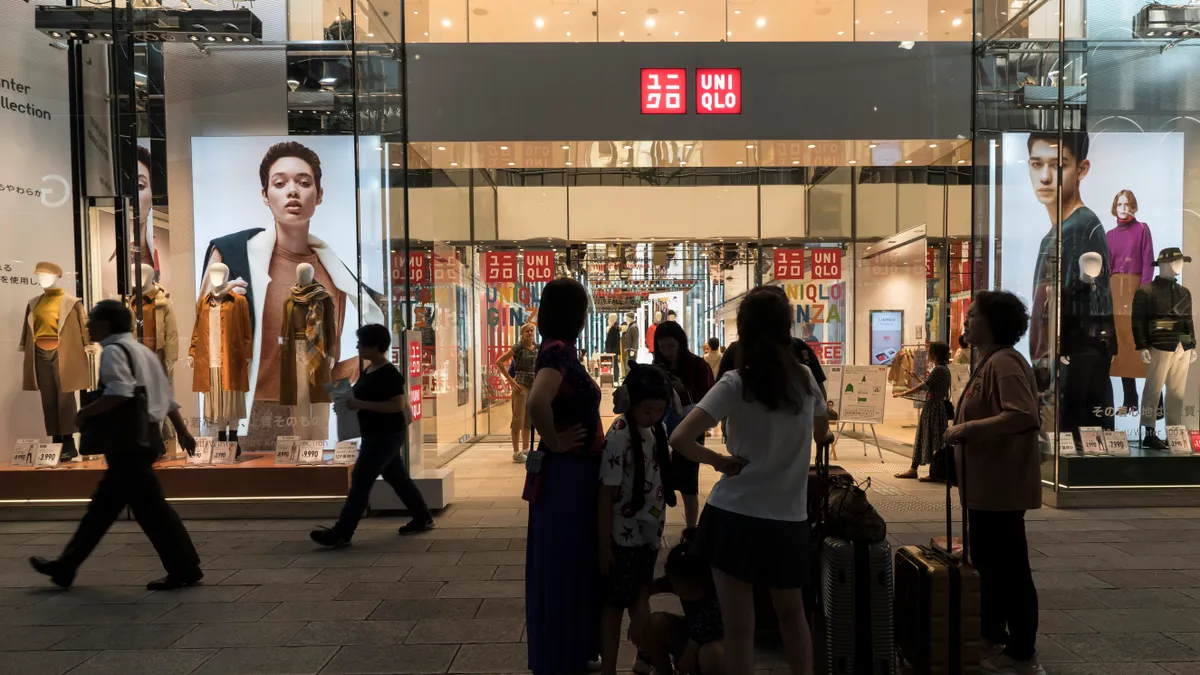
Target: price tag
<point x="1177" y="440"/>
<point x="1066" y="443"/>
<point x="312" y="452"/>
<point x="346" y="452"/>
<point x="24" y="451"/>
<point x="1116" y="442"/>
<point x="224" y="452"/>
<point x="46" y="454"/>
<point x="287" y="449"/>
<point x="204" y="449"/>
<point x="1092" y="440"/>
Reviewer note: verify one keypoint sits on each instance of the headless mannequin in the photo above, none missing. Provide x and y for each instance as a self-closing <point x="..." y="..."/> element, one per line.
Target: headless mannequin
<point x="312" y="417"/>
<point x="49" y="283"/>
<point x="1087" y="345"/>
<point x="147" y="279"/>
<point x="1170" y="271"/>
<point x="227" y="430"/>
<point x="1090" y="266"/>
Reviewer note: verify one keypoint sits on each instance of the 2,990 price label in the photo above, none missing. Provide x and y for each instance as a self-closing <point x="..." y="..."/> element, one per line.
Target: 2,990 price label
<point x="204" y="450"/>
<point x="224" y="452"/>
<point x="312" y="452"/>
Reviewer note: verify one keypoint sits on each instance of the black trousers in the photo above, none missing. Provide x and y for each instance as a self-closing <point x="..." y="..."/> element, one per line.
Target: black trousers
<point x="1000" y="552"/>
<point x="130" y="481"/>
<point x="1086" y="396"/>
<point x="379" y="456"/>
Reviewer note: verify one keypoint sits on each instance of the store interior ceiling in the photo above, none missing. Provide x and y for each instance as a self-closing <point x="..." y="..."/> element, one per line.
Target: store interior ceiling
<point x="651" y="154"/>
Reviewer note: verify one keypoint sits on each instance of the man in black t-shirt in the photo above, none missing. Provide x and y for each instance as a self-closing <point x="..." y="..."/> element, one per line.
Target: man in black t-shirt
<point x="384" y="413"/>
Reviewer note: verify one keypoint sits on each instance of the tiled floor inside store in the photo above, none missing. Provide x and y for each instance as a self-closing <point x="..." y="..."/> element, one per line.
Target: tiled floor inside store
<point x="1120" y="589"/>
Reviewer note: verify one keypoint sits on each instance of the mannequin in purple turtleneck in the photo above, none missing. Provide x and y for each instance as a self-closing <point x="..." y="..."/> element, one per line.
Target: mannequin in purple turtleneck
<point x="1132" y="250"/>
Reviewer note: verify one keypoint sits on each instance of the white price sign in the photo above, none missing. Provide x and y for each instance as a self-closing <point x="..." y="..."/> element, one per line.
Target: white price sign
<point x="24" y="451"/>
<point x="1092" y="440"/>
<point x="46" y="454"/>
<point x="346" y="452"/>
<point x="1116" y="442"/>
<point x="1066" y="443"/>
<point x="204" y="449"/>
<point x="287" y="449"/>
<point x="312" y="452"/>
<point x="224" y="452"/>
<point x="1177" y="440"/>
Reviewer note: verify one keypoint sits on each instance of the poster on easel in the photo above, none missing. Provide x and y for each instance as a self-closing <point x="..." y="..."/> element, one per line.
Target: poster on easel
<point x="863" y="393"/>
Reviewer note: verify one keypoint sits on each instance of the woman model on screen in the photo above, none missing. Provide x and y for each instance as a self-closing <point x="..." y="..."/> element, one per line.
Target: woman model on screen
<point x="262" y="266"/>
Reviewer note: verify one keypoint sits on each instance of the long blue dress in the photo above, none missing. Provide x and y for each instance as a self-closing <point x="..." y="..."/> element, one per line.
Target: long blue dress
<point x="562" y="578"/>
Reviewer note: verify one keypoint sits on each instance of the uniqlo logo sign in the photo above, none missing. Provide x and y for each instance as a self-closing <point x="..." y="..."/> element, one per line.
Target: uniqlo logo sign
<point x="414" y="360"/>
<point x="414" y="400"/>
<point x="827" y="263"/>
<point x="789" y="263"/>
<point x="664" y="91"/>
<point x="718" y="91"/>
<point x="499" y="267"/>
<point x="539" y="266"/>
<point x="417" y="267"/>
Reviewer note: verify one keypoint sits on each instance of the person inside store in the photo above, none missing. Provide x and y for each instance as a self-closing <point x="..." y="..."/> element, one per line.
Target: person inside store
<point x="754" y="529"/>
<point x="262" y="266"/>
<point x="963" y="354"/>
<point x="935" y="413"/>
<point x="691" y="377"/>
<point x="562" y="579"/>
<point x="133" y="386"/>
<point x="384" y="413"/>
<point x="712" y="355"/>
<point x="995" y="435"/>
<point x="523" y="358"/>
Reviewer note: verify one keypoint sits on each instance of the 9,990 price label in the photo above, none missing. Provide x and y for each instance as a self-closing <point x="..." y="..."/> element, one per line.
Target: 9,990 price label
<point x="312" y="452"/>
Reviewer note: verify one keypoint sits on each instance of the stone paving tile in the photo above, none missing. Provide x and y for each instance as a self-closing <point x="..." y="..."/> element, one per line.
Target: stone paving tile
<point x="217" y="612"/>
<point x="1069" y="599"/>
<point x="91" y="595"/>
<point x="475" y="545"/>
<point x="426" y="559"/>
<point x="405" y="610"/>
<point x="94" y="615"/>
<point x="267" y="661"/>
<point x="41" y="663"/>
<point x="1105" y="669"/>
<point x="257" y="576"/>
<point x="391" y="660"/>
<point x="333" y="559"/>
<point x="510" y="658"/>
<point x="329" y="610"/>
<point x="353" y="633"/>
<point x="294" y="592"/>
<point x="1146" y="578"/>
<point x="1067" y="581"/>
<point x="493" y="558"/>
<point x="1125" y="647"/>
<point x="404" y="590"/>
<point x="259" y="634"/>
<point x="1051" y="621"/>
<point x="483" y="589"/>
<point x="459" y="631"/>
<point x="349" y="575"/>
<point x="144" y="662"/>
<point x="461" y="572"/>
<point x="21" y="638"/>
<point x="1139" y="598"/>
<point x="126" y="636"/>
<point x="203" y="593"/>
<point x="496" y="608"/>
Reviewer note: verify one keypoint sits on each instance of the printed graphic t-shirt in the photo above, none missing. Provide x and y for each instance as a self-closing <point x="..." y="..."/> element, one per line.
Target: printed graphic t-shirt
<point x="645" y="527"/>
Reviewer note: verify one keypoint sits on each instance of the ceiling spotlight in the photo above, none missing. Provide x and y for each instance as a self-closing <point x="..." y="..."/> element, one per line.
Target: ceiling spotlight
<point x="504" y="147"/>
<point x="760" y="22"/>
<point x="512" y="163"/>
<point x="624" y="163"/>
<point x="933" y="145"/>
<point x="908" y="161"/>
<point x="415" y="12"/>
<point x="676" y="33"/>
<point x="538" y="22"/>
<point x="728" y="33"/>
<point x="568" y="33"/>
<point x="245" y="38"/>
<point x="228" y="38"/>
<point x="650" y="22"/>
<point x="566" y="147"/>
<point x="395" y="163"/>
<point x="956" y="21"/>
<point x="621" y="34"/>
<point x="194" y="38"/>
<point x="872" y="146"/>
<point x="841" y="32"/>
<point x="681" y="11"/>
<point x="453" y="163"/>
<point x="962" y="161"/>
<point x="210" y="38"/>
<point x="566" y="12"/>
<point x="887" y="11"/>
<point x="682" y="163"/>
<point x="55" y="34"/>
<point x="441" y="147"/>
<point x="91" y="36"/>
<point x="688" y="146"/>
<point x="567" y="163"/>
<point x="795" y="161"/>
<point x="811" y="146"/>
<point x="854" y="161"/>
<point x="749" y="146"/>
<point x="622" y="12"/>
<point x="72" y="34"/>
<point x="445" y="23"/>
<point x="739" y="162"/>
<point x="328" y="81"/>
<point x="630" y="147"/>
<point x="942" y="11"/>
<point x="737" y="11"/>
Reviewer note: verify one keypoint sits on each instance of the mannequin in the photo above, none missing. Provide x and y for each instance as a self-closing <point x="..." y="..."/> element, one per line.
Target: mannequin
<point x="629" y="340"/>
<point x="220" y="353"/>
<point x="1087" y="345"/>
<point x="1131" y="247"/>
<point x="308" y="339"/>
<point x="612" y="345"/>
<point x="159" y="331"/>
<point x="55" y="341"/>
<point x="658" y="317"/>
<point x="1165" y="335"/>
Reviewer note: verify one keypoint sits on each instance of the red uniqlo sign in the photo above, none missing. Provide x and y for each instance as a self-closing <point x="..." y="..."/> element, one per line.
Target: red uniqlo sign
<point x="414" y="399"/>
<point x="827" y="263"/>
<point x="539" y="266"/>
<point x="664" y="91"/>
<point x="414" y="360"/>
<point x="417" y="267"/>
<point x="718" y="91"/>
<point x="789" y="263"/>
<point x="930" y="262"/>
<point x="499" y="267"/>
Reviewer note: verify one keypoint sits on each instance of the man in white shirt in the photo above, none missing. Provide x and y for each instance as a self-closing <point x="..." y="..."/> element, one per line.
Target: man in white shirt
<point x="129" y="479"/>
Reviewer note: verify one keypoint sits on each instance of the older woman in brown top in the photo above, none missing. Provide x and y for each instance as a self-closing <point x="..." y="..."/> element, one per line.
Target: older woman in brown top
<point x="996" y="431"/>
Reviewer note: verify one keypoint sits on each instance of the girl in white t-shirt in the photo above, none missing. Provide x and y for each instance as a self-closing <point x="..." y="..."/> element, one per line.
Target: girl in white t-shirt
<point x="754" y="529"/>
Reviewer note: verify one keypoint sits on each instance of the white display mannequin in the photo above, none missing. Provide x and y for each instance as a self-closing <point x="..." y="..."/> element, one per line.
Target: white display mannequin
<point x="305" y="274"/>
<point x="147" y="279"/>
<point x="312" y="418"/>
<point x="1091" y="264"/>
<point x="216" y="415"/>
<point x="1169" y="270"/>
<point x="1164" y="368"/>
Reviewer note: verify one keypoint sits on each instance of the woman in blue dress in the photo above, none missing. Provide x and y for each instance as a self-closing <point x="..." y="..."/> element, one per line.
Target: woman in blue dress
<point x="562" y="578"/>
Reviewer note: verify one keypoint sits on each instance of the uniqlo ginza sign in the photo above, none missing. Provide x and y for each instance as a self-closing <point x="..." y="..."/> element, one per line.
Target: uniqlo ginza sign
<point x="718" y="91"/>
<point x="664" y="91"/>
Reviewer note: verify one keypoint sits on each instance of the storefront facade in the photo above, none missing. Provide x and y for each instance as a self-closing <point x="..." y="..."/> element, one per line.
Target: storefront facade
<point x="434" y="165"/>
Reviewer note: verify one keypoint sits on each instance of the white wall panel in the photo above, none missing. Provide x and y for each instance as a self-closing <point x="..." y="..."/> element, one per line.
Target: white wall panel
<point x="599" y="213"/>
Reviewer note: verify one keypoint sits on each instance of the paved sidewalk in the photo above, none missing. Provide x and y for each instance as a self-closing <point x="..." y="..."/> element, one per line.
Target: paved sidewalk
<point x="1120" y="590"/>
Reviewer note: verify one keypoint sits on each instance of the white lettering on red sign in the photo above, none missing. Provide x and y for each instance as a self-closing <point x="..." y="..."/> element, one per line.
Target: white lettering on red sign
<point x="718" y="91"/>
<point x="827" y="263"/>
<point x="539" y="266"/>
<point x="499" y="267"/>
<point x="664" y="91"/>
<point x="414" y="399"/>
<point x="418" y="263"/>
<point x="789" y="263"/>
<point x="414" y="360"/>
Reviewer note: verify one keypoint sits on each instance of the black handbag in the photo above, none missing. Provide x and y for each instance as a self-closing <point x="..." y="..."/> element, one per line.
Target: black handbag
<point x="126" y="427"/>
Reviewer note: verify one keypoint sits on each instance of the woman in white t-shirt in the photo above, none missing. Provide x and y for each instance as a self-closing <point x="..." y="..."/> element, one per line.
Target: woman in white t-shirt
<point x="753" y="529"/>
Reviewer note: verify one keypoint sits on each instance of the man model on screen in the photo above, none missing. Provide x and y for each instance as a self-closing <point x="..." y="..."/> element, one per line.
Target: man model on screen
<point x="1080" y="232"/>
<point x="262" y="266"/>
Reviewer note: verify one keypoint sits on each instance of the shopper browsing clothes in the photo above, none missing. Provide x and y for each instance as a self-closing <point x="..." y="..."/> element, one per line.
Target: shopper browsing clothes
<point x="562" y="580"/>
<point x="131" y="377"/>
<point x="753" y="530"/>
<point x="691" y="378"/>
<point x="996" y="434"/>
<point x="523" y="357"/>
<point x="632" y="505"/>
<point x="931" y="427"/>
<point x="384" y="413"/>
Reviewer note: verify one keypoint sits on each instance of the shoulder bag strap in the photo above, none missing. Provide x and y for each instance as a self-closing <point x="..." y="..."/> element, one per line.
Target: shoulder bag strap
<point x="962" y="484"/>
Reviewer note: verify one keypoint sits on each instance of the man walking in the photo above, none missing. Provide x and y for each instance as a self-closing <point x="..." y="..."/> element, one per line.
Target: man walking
<point x="126" y="369"/>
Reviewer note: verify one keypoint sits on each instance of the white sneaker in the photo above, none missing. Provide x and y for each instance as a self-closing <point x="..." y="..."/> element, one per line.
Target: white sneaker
<point x="1003" y="664"/>
<point x="520" y="457"/>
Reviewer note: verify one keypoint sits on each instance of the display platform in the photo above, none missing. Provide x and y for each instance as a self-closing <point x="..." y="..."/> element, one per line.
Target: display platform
<point x="1140" y="468"/>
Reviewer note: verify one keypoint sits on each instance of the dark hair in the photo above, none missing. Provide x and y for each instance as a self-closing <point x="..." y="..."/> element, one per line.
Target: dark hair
<point x="1076" y="142"/>
<point x="714" y="344"/>
<point x="375" y="335"/>
<point x="962" y="341"/>
<point x="1005" y="314"/>
<point x="682" y="562"/>
<point x="671" y="312"/>
<point x="939" y="352"/>
<point x="115" y="314"/>
<point x="1132" y="201"/>
<point x="562" y="310"/>
<point x="765" y="357"/>
<point x="289" y="149"/>
<point x="647" y="383"/>
<point x="673" y="331"/>
<point x="144" y="157"/>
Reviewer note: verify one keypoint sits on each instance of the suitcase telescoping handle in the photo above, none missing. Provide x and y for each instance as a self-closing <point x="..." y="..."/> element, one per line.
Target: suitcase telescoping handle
<point x="962" y="491"/>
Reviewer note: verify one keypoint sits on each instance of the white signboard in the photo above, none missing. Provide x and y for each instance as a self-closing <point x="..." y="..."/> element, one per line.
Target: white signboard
<point x="287" y="449"/>
<point x="47" y="455"/>
<point x="204" y="449"/>
<point x="224" y="452"/>
<point x="833" y="388"/>
<point x="1092" y="440"/>
<point x="1177" y="440"/>
<point x="960" y="374"/>
<point x="1066" y="444"/>
<point x="864" y="390"/>
<point x="346" y="452"/>
<point x="24" y="451"/>
<point x="312" y="452"/>
<point x="1116" y="442"/>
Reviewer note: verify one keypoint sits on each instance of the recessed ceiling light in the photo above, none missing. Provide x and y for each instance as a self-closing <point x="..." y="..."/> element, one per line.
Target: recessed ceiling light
<point x="933" y="145"/>
<point x="512" y="163"/>
<point x="729" y="33"/>
<point x="650" y="22"/>
<point x="688" y="146"/>
<point x="795" y="161"/>
<point x="370" y="35"/>
<point x="749" y="146"/>
<point x="737" y="11"/>
<point x="504" y="147"/>
<point x="566" y="12"/>
<point x="956" y="21"/>
<point x="445" y="23"/>
<point x="681" y="11"/>
<point x="625" y="163"/>
<point x="897" y="23"/>
<point x="566" y="147"/>
<point x="539" y="22"/>
<point x="740" y="162"/>
<point x="760" y="22"/>
<point x="908" y="161"/>
<point x="567" y="163"/>
<point x="872" y="146"/>
<point x="441" y="147"/>
<point x="887" y="11"/>
<point x="682" y="163"/>
<point x="628" y="147"/>
<point x="841" y="32"/>
<point x="415" y="12"/>
<point x="942" y="11"/>
<point x="426" y="33"/>
<point x="854" y="161"/>
<point x="395" y="163"/>
<point x="621" y="34"/>
<point x="622" y="11"/>
<point x="811" y="146"/>
<point x="676" y="33"/>
<point x="962" y="161"/>
<point x="568" y="33"/>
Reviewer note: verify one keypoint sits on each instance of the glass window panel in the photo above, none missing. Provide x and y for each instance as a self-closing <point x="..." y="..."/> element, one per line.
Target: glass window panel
<point x="532" y="21"/>
<point x="791" y="21"/>
<point x="656" y="21"/>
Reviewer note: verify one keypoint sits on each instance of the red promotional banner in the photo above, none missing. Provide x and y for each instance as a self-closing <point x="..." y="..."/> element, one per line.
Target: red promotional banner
<point x="827" y="263"/>
<point x="539" y="266"/>
<point x="930" y="262"/>
<point x="414" y="399"/>
<point x="718" y="91"/>
<point x="664" y="91"/>
<point x="789" y="263"/>
<point x="499" y="267"/>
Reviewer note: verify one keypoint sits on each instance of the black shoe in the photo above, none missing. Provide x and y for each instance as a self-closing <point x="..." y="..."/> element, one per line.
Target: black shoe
<point x="60" y="575"/>
<point x="416" y="525"/>
<point x="327" y="537"/>
<point x="1154" y="443"/>
<point x="170" y="583"/>
<point x="689" y="533"/>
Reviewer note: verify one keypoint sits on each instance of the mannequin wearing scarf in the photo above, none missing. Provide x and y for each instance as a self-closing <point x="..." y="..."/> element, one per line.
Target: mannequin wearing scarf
<point x="308" y="350"/>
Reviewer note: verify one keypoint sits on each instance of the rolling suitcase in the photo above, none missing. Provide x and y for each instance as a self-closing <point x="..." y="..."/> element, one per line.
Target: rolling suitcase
<point x="937" y="606"/>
